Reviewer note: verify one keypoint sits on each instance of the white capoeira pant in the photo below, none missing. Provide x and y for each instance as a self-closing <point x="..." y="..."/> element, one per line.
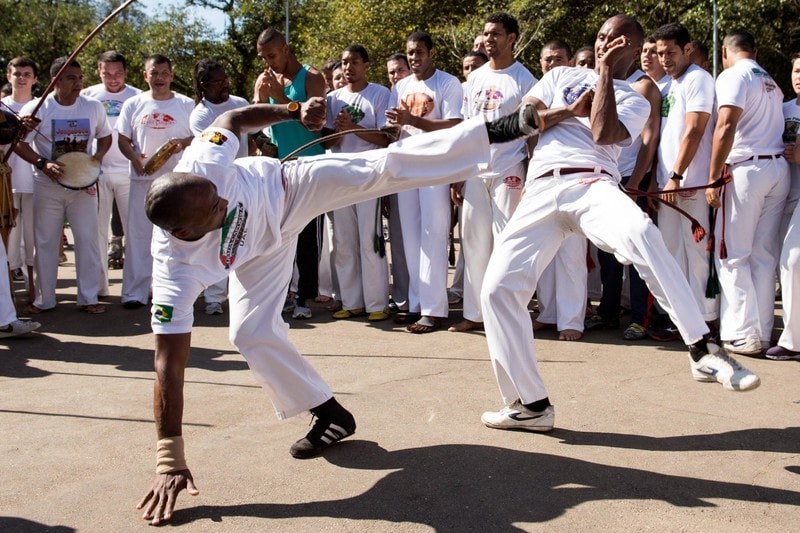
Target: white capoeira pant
<point x="111" y="186"/>
<point x="754" y="203"/>
<point x="362" y="273"/>
<point x="563" y="286"/>
<point x="691" y="256"/>
<point x="553" y="208"/>
<point x="790" y="285"/>
<point x="425" y="222"/>
<point x="488" y="205"/>
<point x="8" y="313"/>
<point x="51" y="203"/>
<point x="138" y="266"/>
<point x="313" y="185"/>
<point x="399" y="267"/>
<point x="21" y="235"/>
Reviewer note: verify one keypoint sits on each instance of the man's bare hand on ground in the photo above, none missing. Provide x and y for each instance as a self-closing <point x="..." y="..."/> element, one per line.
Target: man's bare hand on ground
<point x="160" y="500"/>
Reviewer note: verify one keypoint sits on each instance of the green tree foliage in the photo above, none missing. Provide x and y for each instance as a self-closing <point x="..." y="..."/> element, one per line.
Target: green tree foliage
<point x="236" y="49"/>
<point x="320" y="29"/>
<point x="45" y="30"/>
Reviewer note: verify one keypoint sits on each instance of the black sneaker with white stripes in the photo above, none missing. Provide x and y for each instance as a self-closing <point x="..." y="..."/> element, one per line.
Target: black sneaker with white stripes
<point x="333" y="423"/>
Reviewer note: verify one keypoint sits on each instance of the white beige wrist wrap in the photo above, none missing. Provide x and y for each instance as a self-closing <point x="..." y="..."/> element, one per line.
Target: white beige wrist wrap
<point x="169" y="455"/>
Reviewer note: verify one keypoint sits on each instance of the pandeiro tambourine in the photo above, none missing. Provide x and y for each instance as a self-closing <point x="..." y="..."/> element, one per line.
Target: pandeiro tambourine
<point x="162" y="155"/>
<point x="79" y="172"/>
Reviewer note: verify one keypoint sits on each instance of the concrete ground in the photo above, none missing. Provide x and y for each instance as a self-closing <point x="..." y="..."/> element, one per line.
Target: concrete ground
<point x="638" y="445"/>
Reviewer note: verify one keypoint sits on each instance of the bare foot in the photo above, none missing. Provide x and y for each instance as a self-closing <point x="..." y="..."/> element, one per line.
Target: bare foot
<point x="542" y="325"/>
<point x="570" y="335"/>
<point x="322" y="299"/>
<point x="465" y="325"/>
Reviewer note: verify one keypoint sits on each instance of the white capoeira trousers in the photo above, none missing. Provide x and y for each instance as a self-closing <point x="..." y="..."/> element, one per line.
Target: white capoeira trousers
<point x="112" y="186"/>
<point x="488" y="206"/>
<point x="8" y="313"/>
<point x="399" y="267"/>
<point x="790" y="285"/>
<point x="425" y="223"/>
<point x="563" y="286"/>
<point x="362" y="273"/>
<point x="21" y="235"/>
<point x="691" y="256"/>
<point x="754" y="203"/>
<point x="552" y="209"/>
<point x="51" y="204"/>
<point x="137" y="271"/>
<point x="315" y="185"/>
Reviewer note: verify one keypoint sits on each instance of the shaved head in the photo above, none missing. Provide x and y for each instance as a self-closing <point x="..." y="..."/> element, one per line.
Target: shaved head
<point x="165" y="202"/>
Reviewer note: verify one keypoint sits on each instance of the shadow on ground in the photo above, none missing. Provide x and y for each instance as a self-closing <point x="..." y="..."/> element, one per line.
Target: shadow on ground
<point x="485" y="488"/>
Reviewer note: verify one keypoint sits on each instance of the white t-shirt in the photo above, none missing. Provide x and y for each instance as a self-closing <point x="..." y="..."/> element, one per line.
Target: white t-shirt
<point x="493" y="94"/>
<point x="760" y="127"/>
<point x="21" y="170"/>
<point x="629" y="154"/>
<point x="438" y="97"/>
<point x="367" y="107"/>
<point x="114" y="161"/>
<point x="791" y="117"/>
<point x="205" y="113"/>
<point x="149" y="123"/>
<point x="692" y="92"/>
<point x="253" y="187"/>
<point x="570" y="144"/>
<point x="663" y="85"/>
<point x="66" y="128"/>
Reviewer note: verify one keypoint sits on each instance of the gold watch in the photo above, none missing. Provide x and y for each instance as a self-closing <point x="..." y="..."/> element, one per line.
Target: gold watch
<point x="294" y="110"/>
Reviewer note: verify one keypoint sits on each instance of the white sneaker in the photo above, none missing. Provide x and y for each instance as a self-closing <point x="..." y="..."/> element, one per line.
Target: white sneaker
<point x="214" y="308"/>
<point x="517" y="416"/>
<point x="300" y="312"/>
<point x="18" y="327"/>
<point x="750" y="345"/>
<point x="722" y="368"/>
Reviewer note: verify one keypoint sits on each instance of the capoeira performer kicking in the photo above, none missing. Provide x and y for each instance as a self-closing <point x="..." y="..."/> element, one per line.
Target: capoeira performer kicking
<point x="584" y="118"/>
<point x="243" y="217"/>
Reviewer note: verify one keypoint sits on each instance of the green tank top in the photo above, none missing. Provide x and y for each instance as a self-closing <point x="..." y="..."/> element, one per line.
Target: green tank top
<point x="292" y="135"/>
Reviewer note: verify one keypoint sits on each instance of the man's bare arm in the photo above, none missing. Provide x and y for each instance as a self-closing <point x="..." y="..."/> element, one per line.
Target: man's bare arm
<point x="402" y="116"/>
<point x="103" y="146"/>
<point x="650" y="133"/>
<point x="606" y="126"/>
<point x="126" y="148"/>
<point x="724" y="132"/>
<point x="172" y="354"/>
<point x="258" y="116"/>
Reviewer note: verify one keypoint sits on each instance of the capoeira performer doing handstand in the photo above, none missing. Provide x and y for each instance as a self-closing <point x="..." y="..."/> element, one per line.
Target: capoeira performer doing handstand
<point x="217" y="215"/>
<point x="585" y="117"/>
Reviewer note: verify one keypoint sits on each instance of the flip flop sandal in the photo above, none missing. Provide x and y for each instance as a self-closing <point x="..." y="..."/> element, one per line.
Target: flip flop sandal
<point x="426" y="324"/>
<point x="93" y="309"/>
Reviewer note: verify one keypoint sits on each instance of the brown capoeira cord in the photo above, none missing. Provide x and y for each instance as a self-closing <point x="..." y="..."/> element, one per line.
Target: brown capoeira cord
<point x="698" y="231"/>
